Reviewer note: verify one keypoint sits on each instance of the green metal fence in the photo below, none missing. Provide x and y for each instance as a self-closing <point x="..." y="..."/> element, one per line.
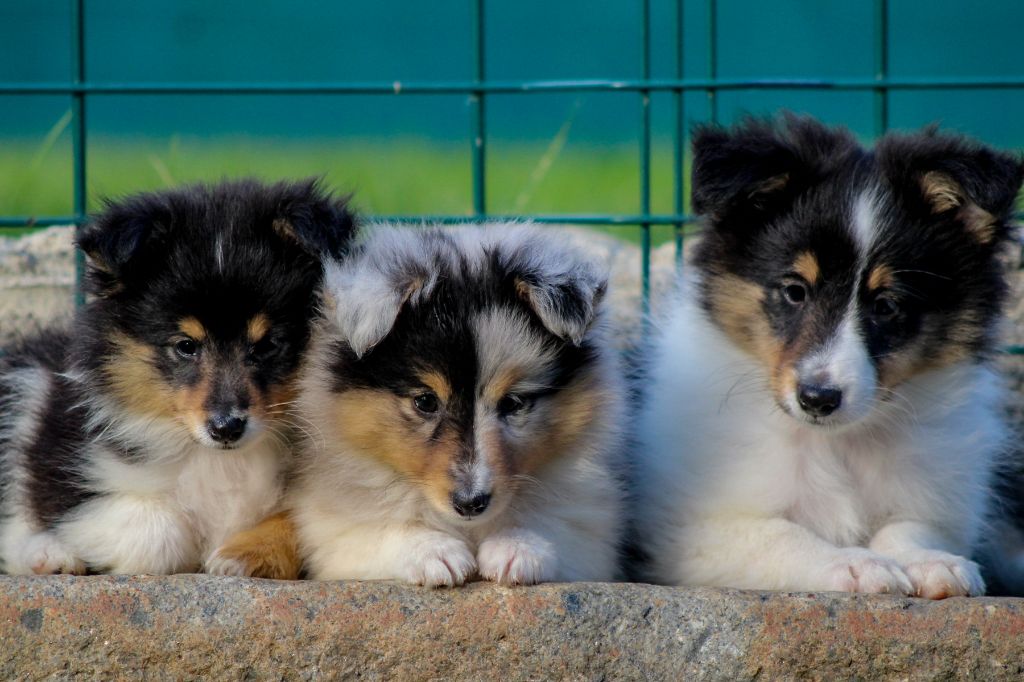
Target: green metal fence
<point x="81" y="90"/>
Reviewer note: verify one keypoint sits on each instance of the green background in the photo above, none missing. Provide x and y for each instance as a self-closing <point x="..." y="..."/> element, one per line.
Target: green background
<point x="547" y="153"/>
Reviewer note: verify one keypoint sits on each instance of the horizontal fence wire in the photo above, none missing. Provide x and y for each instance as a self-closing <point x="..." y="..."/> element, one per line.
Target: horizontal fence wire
<point x="80" y="89"/>
<point x="508" y="87"/>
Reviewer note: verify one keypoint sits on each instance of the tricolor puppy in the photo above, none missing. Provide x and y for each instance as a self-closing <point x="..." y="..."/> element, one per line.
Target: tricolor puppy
<point x="463" y="408"/>
<point x="153" y="427"/>
<point x="820" y="412"/>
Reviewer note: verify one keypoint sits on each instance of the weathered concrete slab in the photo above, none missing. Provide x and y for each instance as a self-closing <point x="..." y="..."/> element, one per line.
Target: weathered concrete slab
<point x="189" y="627"/>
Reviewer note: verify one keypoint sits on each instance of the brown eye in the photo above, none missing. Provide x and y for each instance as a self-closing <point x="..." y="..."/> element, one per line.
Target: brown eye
<point x="885" y="308"/>
<point x="511" y="404"/>
<point x="187" y="348"/>
<point x="794" y="293"/>
<point x="427" y="403"/>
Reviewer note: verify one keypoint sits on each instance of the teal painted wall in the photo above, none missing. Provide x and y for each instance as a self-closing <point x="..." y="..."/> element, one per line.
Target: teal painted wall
<point x="145" y="40"/>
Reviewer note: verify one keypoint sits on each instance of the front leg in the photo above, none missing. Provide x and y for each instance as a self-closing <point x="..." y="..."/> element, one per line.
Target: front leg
<point x="408" y="552"/>
<point x="930" y="560"/>
<point x="131" y="534"/>
<point x="774" y="554"/>
<point x="268" y="550"/>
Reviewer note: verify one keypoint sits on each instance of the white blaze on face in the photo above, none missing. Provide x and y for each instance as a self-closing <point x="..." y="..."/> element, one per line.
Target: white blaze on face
<point x="865" y="220"/>
<point x="843" y="362"/>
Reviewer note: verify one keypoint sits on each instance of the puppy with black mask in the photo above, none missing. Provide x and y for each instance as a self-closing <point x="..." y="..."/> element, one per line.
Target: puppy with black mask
<point x="820" y="410"/>
<point x="157" y="424"/>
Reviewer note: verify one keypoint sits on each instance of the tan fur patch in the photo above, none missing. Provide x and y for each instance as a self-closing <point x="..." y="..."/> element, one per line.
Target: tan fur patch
<point x="944" y="193"/>
<point x="189" y="403"/>
<point x="284" y="228"/>
<point x="737" y="309"/>
<point x="771" y="185"/>
<point x="806" y="265"/>
<point x="574" y="409"/>
<point x="382" y="427"/>
<point x="979" y="222"/>
<point x="737" y="306"/>
<point x="436" y="383"/>
<point x="268" y="550"/>
<point x="192" y="328"/>
<point x="963" y="333"/>
<point x="257" y="327"/>
<point x="135" y="380"/>
<point x="500" y="385"/>
<point x="880" y="277"/>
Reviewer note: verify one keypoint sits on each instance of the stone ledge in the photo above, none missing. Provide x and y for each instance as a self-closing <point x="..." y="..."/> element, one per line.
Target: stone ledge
<point x="187" y="627"/>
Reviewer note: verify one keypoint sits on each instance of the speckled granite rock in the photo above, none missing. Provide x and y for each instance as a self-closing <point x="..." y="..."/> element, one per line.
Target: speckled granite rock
<point x="37" y="277"/>
<point x="191" y="627"/>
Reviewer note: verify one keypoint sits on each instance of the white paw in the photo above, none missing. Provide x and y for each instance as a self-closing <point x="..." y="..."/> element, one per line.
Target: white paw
<point x="937" y="575"/>
<point x="45" y="555"/>
<point x="517" y="557"/>
<point x="438" y="561"/>
<point x="861" y="570"/>
<point x="217" y="564"/>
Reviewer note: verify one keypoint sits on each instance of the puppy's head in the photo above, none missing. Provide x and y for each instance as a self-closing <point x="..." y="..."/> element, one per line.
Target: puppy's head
<point x="846" y="271"/>
<point x="465" y="361"/>
<point x="204" y="298"/>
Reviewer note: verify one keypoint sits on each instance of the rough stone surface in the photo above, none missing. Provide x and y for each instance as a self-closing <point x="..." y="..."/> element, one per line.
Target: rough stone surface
<point x="189" y="627"/>
<point x="37" y="277"/>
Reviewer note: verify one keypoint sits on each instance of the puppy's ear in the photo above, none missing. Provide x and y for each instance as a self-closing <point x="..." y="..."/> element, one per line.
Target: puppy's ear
<point x="114" y="239"/>
<point x="309" y="216"/>
<point x="365" y="293"/>
<point x="952" y="176"/>
<point x="560" y="286"/>
<point x="760" y="165"/>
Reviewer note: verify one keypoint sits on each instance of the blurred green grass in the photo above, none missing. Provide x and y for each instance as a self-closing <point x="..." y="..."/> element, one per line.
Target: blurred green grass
<point x="394" y="176"/>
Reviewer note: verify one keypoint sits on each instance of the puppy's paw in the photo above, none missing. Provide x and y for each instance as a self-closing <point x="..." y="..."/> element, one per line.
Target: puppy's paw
<point x="219" y="563"/>
<point x="438" y="561"/>
<point x="45" y="555"/>
<point x="861" y="570"/>
<point x="270" y="550"/>
<point x="517" y="557"/>
<point x="937" y="575"/>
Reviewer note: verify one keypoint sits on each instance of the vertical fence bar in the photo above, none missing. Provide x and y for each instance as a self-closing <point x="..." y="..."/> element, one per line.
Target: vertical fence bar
<point x="713" y="58"/>
<point x="679" y="145"/>
<point x="478" y="112"/>
<point x="881" y="65"/>
<point x="78" y="134"/>
<point x="645" y="161"/>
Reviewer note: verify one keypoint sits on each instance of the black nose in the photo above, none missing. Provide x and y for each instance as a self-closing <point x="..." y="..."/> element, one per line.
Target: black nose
<point x="226" y="429"/>
<point x="471" y="506"/>
<point x="819" y="401"/>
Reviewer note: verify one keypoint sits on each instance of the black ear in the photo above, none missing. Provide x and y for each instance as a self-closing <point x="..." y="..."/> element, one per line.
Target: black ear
<point x="955" y="176"/>
<point x="114" y="238"/>
<point x="563" y="288"/>
<point x="761" y="164"/>
<point x="309" y="216"/>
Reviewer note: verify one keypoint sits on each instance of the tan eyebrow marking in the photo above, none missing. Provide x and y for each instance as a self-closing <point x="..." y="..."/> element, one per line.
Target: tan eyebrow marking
<point x="806" y="265"/>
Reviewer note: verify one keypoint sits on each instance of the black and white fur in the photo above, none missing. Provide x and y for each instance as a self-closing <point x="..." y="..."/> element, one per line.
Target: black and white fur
<point x="821" y="412"/>
<point x="465" y="408"/>
<point x="138" y="438"/>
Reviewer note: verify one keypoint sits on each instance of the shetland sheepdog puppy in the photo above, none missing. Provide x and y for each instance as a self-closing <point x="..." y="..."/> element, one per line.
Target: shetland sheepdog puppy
<point x="463" y="408"/>
<point x="820" y="408"/>
<point x="154" y="426"/>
